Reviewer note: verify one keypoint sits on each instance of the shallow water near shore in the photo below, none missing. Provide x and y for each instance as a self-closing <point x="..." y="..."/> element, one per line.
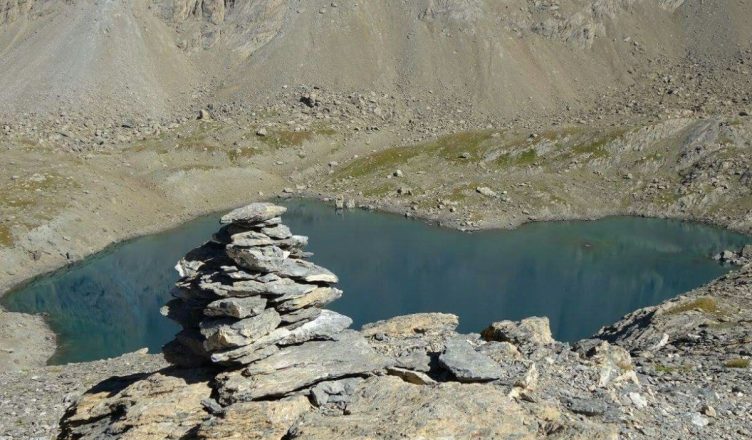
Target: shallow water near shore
<point x="582" y="275"/>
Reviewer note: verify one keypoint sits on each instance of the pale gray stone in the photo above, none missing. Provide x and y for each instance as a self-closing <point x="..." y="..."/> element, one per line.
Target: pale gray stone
<point x="286" y="288"/>
<point x="263" y="259"/>
<point x="466" y="364"/>
<point x="306" y="271"/>
<point x="254" y="213"/>
<point x="411" y="376"/>
<point x="316" y="298"/>
<point x="251" y="352"/>
<point x="251" y="239"/>
<point x="534" y="330"/>
<point x="336" y="392"/>
<point x="236" y="307"/>
<point x="301" y="315"/>
<point x="417" y="360"/>
<point x="325" y="327"/>
<point x="278" y="232"/>
<point x="298" y="366"/>
<point x="226" y="333"/>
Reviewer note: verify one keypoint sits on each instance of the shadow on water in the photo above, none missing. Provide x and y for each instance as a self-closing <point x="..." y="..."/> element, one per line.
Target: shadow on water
<point x="581" y="275"/>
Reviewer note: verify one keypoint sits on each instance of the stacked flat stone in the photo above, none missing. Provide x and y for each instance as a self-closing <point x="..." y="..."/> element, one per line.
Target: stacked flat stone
<point x="250" y="291"/>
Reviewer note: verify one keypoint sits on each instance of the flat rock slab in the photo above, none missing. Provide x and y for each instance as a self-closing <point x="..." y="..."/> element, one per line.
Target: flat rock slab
<point x="255" y="420"/>
<point x="226" y="332"/>
<point x="236" y="307"/>
<point x="316" y="298"/>
<point x="326" y="326"/>
<point x="466" y="364"/>
<point x="387" y="407"/>
<point x="253" y="214"/>
<point x="296" y="367"/>
<point x="413" y="325"/>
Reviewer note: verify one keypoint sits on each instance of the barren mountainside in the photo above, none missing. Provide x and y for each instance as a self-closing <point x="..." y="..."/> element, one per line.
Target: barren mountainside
<point x="151" y="58"/>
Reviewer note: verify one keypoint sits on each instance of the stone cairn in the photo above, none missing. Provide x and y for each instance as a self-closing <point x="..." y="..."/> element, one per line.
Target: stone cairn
<point x="248" y="292"/>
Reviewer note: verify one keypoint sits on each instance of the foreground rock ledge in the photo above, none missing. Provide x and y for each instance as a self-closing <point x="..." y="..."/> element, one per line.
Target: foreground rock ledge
<point x="297" y="372"/>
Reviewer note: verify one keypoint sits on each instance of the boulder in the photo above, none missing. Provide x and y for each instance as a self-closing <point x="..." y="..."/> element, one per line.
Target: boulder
<point x="535" y="330"/>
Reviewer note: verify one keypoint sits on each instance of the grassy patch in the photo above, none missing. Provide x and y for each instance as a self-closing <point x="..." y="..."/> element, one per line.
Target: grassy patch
<point x="238" y="154"/>
<point x="450" y="147"/>
<point x="737" y="363"/>
<point x="704" y="304"/>
<point x="460" y="193"/>
<point x="595" y="148"/>
<point x="195" y="167"/>
<point x="286" y="138"/>
<point x="6" y="238"/>
<point x="668" y="369"/>
<point x="282" y="138"/>
<point x="525" y="158"/>
<point x="32" y="199"/>
<point x="382" y="160"/>
<point x="528" y="157"/>
<point x="325" y="131"/>
<point x="379" y="190"/>
<point x="149" y="145"/>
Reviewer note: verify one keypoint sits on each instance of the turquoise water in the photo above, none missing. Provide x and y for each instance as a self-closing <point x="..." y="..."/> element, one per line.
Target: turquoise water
<point x="581" y="275"/>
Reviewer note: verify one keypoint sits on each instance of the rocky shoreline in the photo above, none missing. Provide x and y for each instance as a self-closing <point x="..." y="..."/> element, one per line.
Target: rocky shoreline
<point x="680" y="368"/>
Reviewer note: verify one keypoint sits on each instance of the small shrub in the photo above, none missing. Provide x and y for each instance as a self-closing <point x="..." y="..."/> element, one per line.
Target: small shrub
<point x="737" y="363"/>
<point x="704" y="304"/>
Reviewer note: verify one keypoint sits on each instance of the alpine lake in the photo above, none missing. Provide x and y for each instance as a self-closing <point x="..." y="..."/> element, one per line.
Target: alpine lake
<point x="580" y="274"/>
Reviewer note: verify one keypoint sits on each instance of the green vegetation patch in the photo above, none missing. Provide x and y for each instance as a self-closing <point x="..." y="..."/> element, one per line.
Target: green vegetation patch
<point x="461" y="192"/>
<point x="32" y="199"/>
<point x="528" y="157"/>
<point x="238" y="154"/>
<point x="737" y="363"/>
<point x="669" y="369"/>
<point x="195" y="167"/>
<point x="382" y="160"/>
<point x="286" y="138"/>
<point x="6" y="237"/>
<point x="704" y="304"/>
<point x="379" y="190"/>
<point x="593" y="145"/>
<point x="452" y="146"/>
<point x="449" y="148"/>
